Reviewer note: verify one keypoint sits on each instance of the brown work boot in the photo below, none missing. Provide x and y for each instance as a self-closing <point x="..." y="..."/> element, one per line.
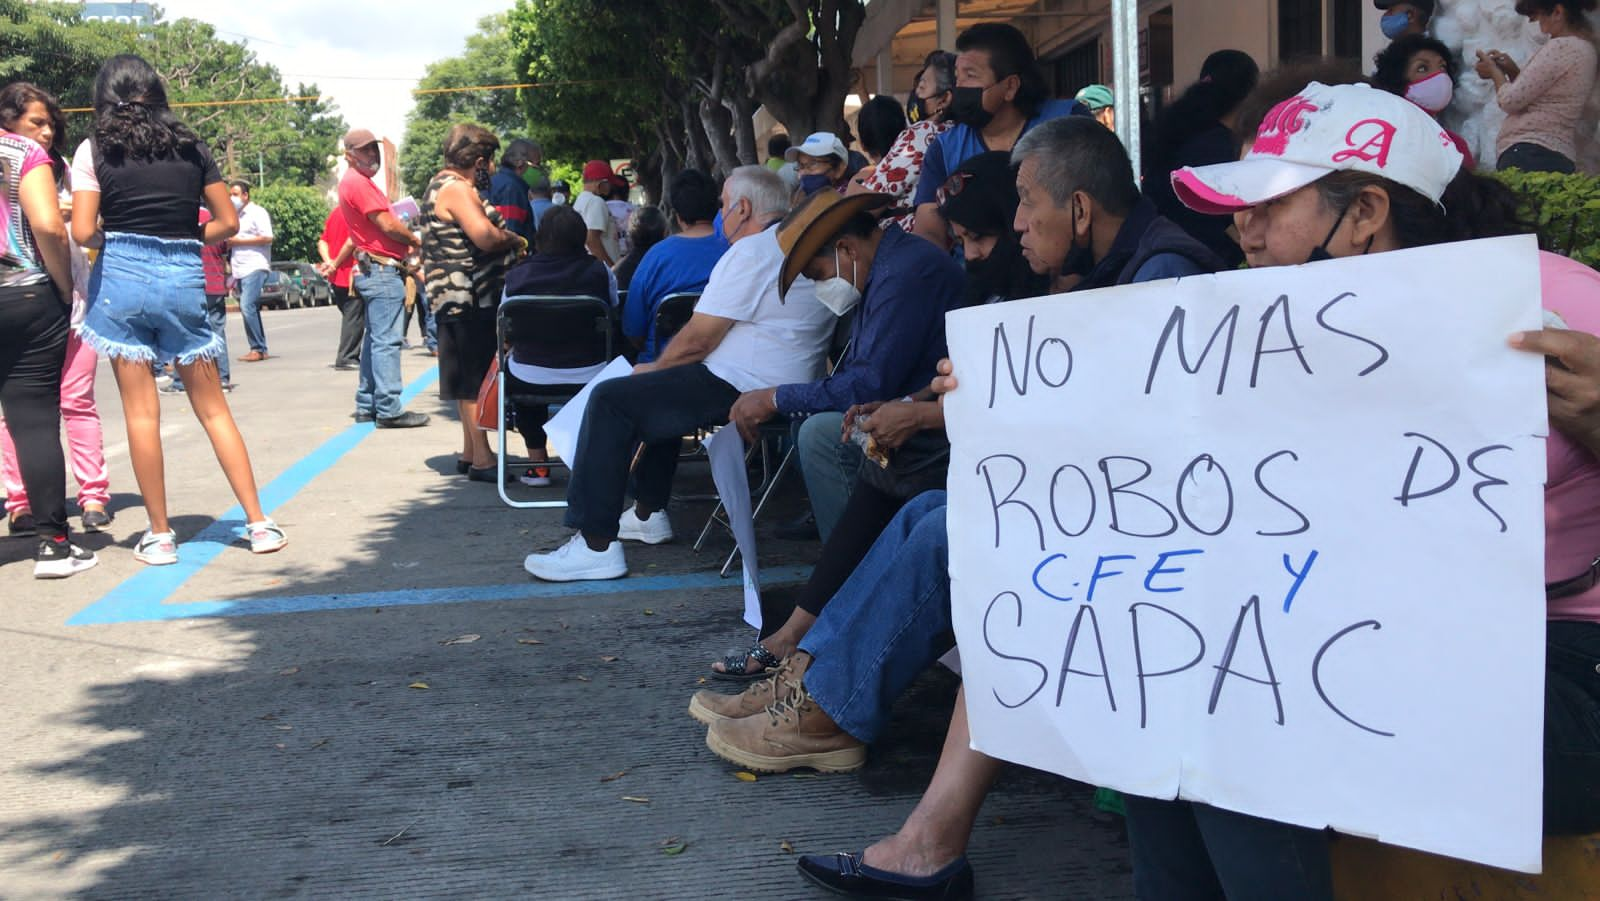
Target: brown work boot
<point x="710" y="707"/>
<point x="792" y="732"/>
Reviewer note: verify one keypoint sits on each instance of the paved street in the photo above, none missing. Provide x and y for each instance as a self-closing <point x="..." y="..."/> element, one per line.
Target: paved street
<point x="391" y="708"/>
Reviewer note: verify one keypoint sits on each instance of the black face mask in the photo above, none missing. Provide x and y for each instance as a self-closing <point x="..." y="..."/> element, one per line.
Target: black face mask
<point x="916" y="109"/>
<point x="966" y="108"/>
<point x="1080" y="260"/>
<point x="1320" y="252"/>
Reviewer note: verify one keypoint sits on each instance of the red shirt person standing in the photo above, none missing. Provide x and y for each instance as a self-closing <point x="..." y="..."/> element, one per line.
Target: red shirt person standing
<point x="352" y="313"/>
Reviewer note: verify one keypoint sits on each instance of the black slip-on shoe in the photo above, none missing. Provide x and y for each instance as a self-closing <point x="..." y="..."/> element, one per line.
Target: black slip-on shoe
<point x="845" y="874"/>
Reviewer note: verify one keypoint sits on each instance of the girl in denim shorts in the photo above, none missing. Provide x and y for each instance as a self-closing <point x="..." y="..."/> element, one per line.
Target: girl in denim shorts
<point x="138" y="184"/>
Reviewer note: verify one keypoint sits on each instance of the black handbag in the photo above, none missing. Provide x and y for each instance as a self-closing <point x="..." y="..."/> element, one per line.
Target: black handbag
<point x="919" y="465"/>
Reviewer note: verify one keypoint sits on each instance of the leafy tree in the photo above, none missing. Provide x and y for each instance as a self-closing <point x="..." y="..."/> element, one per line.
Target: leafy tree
<point x="298" y="214"/>
<point x="487" y="60"/>
<point x="49" y="44"/>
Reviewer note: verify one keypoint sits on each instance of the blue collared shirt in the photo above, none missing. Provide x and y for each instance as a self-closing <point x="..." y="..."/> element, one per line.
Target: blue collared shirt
<point x="898" y="336"/>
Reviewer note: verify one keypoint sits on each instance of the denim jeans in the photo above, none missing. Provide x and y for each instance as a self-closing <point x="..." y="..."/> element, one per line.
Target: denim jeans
<point x="217" y="315"/>
<point x="1572" y="728"/>
<point x="385" y="297"/>
<point x="427" y="327"/>
<point x="1534" y="158"/>
<point x="829" y="467"/>
<point x="250" y="309"/>
<point x="655" y="409"/>
<point x="888" y="622"/>
<point x="1193" y="852"/>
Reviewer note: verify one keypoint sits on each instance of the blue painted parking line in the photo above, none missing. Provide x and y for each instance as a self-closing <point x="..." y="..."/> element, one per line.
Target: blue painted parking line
<point x="146" y="592"/>
<point x="104" y="614"/>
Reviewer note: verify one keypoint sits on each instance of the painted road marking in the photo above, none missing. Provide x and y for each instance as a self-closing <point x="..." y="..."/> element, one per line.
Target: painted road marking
<point x="153" y="585"/>
<point x="154" y="610"/>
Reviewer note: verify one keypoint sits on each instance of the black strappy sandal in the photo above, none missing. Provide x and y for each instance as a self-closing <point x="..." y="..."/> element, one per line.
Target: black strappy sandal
<point x="734" y="666"/>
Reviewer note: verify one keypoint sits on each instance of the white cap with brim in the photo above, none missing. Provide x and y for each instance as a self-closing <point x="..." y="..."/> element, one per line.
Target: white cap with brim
<point x="1321" y="130"/>
<point x="819" y="144"/>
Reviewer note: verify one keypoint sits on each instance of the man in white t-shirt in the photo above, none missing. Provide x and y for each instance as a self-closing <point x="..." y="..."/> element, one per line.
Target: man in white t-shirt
<point x="250" y="257"/>
<point x="596" y="215"/>
<point x="742" y="336"/>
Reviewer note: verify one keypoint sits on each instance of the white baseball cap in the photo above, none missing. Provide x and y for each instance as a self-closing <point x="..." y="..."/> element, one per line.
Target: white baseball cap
<point x="819" y="143"/>
<point x="1327" y="129"/>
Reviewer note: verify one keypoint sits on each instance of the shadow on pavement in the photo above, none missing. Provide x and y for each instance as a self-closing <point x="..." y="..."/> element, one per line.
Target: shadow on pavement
<point x="386" y="752"/>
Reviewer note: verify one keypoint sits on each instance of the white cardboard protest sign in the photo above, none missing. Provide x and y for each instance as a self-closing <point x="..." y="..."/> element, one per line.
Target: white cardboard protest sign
<point x="563" y="428"/>
<point x="1270" y="540"/>
<point x="725" y="449"/>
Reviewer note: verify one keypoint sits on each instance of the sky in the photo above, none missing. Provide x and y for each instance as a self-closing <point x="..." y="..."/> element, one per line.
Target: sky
<point x="366" y="55"/>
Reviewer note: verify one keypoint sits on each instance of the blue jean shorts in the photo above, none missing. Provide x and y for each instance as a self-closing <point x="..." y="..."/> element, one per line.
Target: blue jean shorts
<point x="147" y="301"/>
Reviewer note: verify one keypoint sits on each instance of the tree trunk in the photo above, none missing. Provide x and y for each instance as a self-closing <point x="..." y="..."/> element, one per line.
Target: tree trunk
<point x="696" y="155"/>
<point x="804" y="77"/>
<point x="718" y="125"/>
<point x="743" y="109"/>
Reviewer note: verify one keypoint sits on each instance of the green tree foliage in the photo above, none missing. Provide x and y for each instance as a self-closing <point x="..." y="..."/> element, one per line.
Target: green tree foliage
<point x="292" y="142"/>
<point x="1564" y="209"/>
<point x="48" y="44"/>
<point x="487" y="60"/>
<point x="298" y="214"/>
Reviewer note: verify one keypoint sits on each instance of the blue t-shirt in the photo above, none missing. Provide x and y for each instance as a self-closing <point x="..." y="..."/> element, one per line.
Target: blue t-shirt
<point x="673" y="266"/>
<point x="963" y="142"/>
<point x="539" y="205"/>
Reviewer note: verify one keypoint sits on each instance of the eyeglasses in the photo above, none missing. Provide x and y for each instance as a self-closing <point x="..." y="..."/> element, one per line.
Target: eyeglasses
<point x="956" y="183"/>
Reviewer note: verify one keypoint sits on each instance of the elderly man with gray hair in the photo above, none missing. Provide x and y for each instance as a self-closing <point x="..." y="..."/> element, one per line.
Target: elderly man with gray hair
<point x="742" y="336"/>
<point x="508" y="190"/>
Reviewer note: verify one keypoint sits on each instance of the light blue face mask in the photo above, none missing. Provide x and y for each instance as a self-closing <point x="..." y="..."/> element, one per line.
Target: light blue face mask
<point x="1394" y="25"/>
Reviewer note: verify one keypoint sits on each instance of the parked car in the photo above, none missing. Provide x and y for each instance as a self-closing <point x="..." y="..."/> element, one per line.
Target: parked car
<point x="311" y="288"/>
<point x="278" y="292"/>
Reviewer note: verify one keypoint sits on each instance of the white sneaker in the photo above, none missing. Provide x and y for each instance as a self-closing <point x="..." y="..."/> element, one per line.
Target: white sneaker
<point x="157" y="548"/>
<point x="655" y="530"/>
<point x="60" y="558"/>
<point x="265" y="537"/>
<point x="574" y="562"/>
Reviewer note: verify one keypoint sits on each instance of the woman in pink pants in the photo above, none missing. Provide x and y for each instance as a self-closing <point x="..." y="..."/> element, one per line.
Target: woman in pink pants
<point x="28" y="111"/>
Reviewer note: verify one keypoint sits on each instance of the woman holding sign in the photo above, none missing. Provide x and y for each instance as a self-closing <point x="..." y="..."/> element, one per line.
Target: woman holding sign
<point x="1345" y="171"/>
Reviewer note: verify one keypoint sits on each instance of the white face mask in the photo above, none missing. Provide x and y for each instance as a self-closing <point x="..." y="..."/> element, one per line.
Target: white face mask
<point x="1433" y="93"/>
<point x="837" y="294"/>
<point x="558" y="200"/>
<point x="238" y="204"/>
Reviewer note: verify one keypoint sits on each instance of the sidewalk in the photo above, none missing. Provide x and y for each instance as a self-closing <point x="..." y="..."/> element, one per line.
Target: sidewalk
<point x="389" y="708"/>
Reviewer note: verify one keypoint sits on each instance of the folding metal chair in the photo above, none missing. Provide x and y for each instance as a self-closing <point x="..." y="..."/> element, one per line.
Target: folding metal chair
<point x="775" y="429"/>
<point x="672" y="314"/>
<point x="584" y="326"/>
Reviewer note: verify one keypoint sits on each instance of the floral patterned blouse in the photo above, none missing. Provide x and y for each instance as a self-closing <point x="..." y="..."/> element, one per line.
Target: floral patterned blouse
<point x="897" y="173"/>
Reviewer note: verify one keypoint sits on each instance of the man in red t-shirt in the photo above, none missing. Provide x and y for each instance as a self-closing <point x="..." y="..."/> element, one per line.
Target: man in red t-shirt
<point x="379" y="241"/>
<point x="353" y="314"/>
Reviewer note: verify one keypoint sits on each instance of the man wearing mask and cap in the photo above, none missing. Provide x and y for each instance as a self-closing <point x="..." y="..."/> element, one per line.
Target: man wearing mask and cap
<point x="379" y="242"/>
<point x="822" y="162"/>
<point x="899" y="288"/>
<point x="508" y="190"/>
<point x="591" y="205"/>
<point x="1000" y="94"/>
<point x="1404" y="17"/>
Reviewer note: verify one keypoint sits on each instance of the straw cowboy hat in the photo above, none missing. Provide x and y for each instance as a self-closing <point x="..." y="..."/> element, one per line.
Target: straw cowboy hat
<point x="814" y="224"/>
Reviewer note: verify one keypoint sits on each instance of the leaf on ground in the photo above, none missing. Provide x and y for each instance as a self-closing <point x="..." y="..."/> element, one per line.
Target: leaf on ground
<point x="743" y="776"/>
<point x="615" y="776"/>
<point x="609" y="658"/>
<point x="635" y="799"/>
<point x="280" y="746"/>
<point x="420" y="686"/>
<point x="649" y="612"/>
<point x="318" y="744"/>
<point x="674" y="849"/>
<point x="785" y="847"/>
<point x="700" y="681"/>
<point x="529" y="641"/>
<point x="469" y="638"/>
<point x="289" y="671"/>
<point x="582" y="678"/>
